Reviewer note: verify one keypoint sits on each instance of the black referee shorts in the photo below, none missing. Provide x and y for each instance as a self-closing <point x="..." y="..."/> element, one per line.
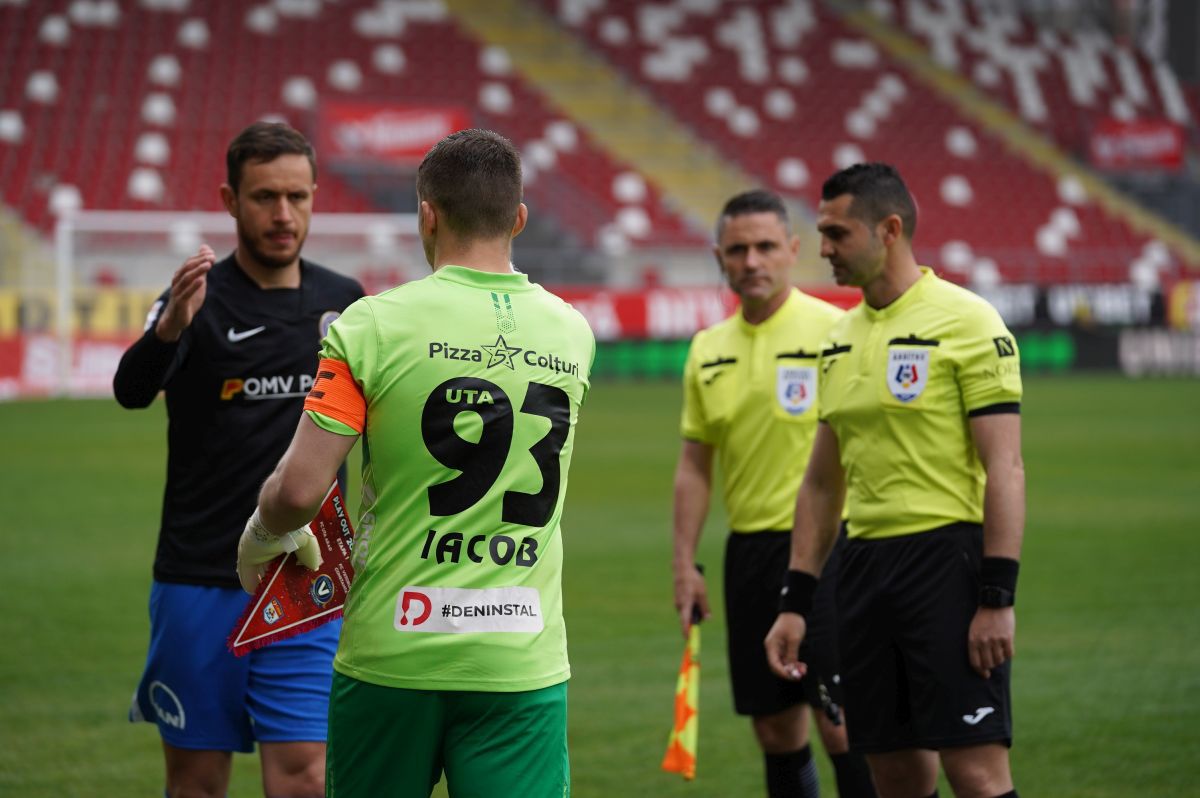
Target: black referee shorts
<point x="755" y="564"/>
<point x="904" y="607"/>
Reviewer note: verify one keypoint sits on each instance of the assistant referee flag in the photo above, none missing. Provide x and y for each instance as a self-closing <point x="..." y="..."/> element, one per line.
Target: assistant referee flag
<point x="681" y="745"/>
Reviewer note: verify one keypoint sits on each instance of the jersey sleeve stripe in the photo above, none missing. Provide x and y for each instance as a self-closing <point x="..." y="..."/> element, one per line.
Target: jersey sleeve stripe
<point x="996" y="409"/>
<point x="336" y="394"/>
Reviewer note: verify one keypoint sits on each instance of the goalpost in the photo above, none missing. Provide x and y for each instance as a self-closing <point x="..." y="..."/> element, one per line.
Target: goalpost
<point x="111" y="265"/>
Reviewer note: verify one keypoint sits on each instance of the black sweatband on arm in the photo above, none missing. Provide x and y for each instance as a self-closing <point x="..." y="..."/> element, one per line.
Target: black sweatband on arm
<point x="996" y="409"/>
<point x="797" y="593"/>
<point x="999" y="572"/>
<point x="998" y="582"/>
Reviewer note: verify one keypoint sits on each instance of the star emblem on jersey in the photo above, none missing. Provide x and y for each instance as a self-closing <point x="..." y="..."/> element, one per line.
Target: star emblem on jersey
<point x="501" y="354"/>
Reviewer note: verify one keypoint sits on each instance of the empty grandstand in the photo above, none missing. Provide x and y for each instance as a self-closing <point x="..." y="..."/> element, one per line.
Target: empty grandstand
<point x="1051" y="145"/>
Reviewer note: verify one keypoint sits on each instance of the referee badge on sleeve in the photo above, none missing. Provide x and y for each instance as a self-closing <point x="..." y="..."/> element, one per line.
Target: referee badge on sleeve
<point x="908" y="371"/>
<point x="796" y="388"/>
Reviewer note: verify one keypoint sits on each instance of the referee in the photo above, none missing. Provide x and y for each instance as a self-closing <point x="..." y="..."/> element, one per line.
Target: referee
<point x="920" y="438"/>
<point x="750" y="401"/>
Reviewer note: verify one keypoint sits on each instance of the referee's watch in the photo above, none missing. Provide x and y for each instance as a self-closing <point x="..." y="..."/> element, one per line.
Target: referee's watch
<point x="995" y="597"/>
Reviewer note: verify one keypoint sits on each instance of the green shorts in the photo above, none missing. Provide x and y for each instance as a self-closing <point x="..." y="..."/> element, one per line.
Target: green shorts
<point x="388" y="741"/>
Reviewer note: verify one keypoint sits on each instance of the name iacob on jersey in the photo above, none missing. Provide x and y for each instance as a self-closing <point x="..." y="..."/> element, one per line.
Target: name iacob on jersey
<point x="499" y="549"/>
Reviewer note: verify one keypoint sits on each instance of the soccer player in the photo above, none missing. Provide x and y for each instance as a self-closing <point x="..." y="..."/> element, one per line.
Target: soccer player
<point x="233" y="343"/>
<point x="750" y="401"/>
<point x="920" y="437"/>
<point x="467" y="386"/>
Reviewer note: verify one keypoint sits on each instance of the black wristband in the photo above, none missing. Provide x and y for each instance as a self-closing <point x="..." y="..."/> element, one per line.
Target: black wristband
<point x="797" y="593"/>
<point x="998" y="581"/>
<point x="999" y="572"/>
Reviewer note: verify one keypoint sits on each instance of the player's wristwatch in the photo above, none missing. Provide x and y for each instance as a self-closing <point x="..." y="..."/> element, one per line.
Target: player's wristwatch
<point x="995" y="597"/>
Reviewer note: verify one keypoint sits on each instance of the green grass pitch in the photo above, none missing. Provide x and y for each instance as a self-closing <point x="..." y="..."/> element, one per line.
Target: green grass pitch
<point x="1107" y="676"/>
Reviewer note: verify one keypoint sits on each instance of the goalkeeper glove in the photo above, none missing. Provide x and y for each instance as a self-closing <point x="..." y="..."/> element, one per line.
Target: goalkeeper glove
<point x="258" y="546"/>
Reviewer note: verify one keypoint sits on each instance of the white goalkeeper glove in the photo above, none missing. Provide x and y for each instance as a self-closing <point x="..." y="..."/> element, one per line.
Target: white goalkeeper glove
<point x="258" y="546"/>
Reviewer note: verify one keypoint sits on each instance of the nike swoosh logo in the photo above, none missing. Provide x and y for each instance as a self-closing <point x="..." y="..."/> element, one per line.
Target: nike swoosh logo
<point x="713" y="378"/>
<point x="979" y="715"/>
<point x="234" y="337"/>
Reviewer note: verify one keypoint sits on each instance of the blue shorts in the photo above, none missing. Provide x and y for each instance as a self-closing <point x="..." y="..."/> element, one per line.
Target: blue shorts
<point x="204" y="698"/>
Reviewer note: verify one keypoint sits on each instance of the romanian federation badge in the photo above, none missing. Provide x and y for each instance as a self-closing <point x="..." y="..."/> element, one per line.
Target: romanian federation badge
<point x="908" y="371"/>
<point x="796" y="388"/>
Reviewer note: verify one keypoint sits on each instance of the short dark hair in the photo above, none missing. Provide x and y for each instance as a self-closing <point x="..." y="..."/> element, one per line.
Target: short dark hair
<point x="264" y="142"/>
<point x="473" y="178"/>
<point x="755" y="201"/>
<point x="878" y="192"/>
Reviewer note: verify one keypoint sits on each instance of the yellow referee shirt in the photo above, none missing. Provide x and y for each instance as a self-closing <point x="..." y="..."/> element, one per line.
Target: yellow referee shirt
<point x="750" y="391"/>
<point x="898" y="386"/>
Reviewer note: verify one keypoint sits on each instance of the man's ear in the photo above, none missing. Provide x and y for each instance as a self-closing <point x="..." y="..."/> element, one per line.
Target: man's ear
<point x="893" y="229"/>
<point x="794" y="246"/>
<point x="229" y="199"/>
<point x="427" y="219"/>
<point x="522" y="218"/>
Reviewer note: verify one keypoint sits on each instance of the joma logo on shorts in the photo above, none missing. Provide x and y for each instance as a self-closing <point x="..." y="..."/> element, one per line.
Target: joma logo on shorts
<point x="979" y="715"/>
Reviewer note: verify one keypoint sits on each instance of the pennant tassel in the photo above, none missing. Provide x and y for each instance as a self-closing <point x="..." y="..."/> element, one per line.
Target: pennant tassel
<point x="681" y="744"/>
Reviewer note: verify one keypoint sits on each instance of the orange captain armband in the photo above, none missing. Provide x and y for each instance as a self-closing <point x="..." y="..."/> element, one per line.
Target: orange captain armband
<point x="336" y="395"/>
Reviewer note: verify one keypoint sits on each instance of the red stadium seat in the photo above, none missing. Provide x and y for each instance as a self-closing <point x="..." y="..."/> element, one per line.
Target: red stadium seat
<point x="88" y="136"/>
<point x="844" y="90"/>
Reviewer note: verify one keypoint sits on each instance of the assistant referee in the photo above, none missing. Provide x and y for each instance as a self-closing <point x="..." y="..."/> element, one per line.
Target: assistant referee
<point x="750" y="404"/>
<point x="920" y="437"/>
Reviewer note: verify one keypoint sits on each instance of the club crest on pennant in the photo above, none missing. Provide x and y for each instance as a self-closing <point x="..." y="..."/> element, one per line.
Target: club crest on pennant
<point x="273" y="611"/>
<point x="908" y="371"/>
<point x="796" y="388"/>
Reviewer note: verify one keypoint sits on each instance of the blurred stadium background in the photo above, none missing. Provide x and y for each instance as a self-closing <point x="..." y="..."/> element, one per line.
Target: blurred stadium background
<point x="1051" y="145"/>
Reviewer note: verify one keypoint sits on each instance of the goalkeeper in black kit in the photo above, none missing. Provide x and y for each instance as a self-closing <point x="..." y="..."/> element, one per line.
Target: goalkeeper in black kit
<point x="233" y="345"/>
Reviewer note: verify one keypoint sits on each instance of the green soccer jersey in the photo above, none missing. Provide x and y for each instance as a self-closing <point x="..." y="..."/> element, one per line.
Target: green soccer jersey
<point x="750" y="391"/>
<point x="473" y="383"/>
<point x="898" y="387"/>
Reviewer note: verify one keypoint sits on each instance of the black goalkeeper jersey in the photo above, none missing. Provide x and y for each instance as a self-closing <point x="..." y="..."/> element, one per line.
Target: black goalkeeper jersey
<point x="235" y="384"/>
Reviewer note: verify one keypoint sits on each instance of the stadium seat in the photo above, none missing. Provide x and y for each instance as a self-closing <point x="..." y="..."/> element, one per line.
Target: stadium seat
<point x="134" y="103"/>
<point x="790" y="92"/>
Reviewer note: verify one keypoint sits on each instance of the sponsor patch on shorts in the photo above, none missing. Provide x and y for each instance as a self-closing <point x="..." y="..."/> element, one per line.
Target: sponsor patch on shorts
<point x="456" y="610"/>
